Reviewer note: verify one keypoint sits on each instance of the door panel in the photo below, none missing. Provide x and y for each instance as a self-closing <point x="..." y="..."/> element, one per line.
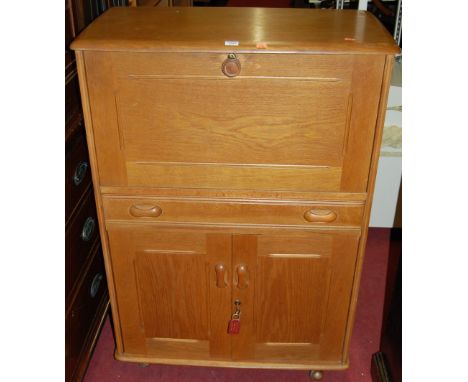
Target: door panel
<point x="249" y="118"/>
<point x="173" y="294"/>
<point x="168" y="299"/>
<point x="267" y="129"/>
<point x="297" y="297"/>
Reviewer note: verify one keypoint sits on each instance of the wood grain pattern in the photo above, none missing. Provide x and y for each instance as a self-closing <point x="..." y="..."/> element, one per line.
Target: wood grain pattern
<point x="295" y="306"/>
<point x="252" y="120"/>
<point x="164" y="311"/>
<point x="327" y="116"/>
<point x="286" y="364"/>
<point x="239" y="195"/>
<point x="133" y="65"/>
<point x="205" y="176"/>
<point x="367" y="85"/>
<point x="100" y="90"/>
<point x="244" y="249"/>
<point x="255" y="187"/>
<point x="83" y="82"/>
<point x="386" y="76"/>
<point x="206" y="29"/>
<point x="173" y="302"/>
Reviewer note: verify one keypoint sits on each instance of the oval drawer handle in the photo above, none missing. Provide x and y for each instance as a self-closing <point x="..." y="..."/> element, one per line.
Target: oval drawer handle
<point x="80" y="173"/>
<point x="231" y="66"/>
<point x="145" y="211"/>
<point x="88" y="229"/>
<point x="320" y="216"/>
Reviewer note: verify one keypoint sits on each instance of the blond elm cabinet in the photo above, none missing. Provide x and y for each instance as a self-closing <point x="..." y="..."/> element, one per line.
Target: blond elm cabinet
<point x="233" y="154"/>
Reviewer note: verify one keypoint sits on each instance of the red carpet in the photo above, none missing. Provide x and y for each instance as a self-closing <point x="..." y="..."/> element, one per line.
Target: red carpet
<point x="365" y="340"/>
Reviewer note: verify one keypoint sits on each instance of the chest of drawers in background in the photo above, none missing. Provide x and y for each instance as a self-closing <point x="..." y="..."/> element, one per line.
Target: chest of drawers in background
<point x="86" y="297"/>
<point x="233" y="154"/>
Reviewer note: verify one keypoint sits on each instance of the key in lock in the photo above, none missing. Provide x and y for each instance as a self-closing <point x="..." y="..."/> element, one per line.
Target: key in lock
<point x="234" y="322"/>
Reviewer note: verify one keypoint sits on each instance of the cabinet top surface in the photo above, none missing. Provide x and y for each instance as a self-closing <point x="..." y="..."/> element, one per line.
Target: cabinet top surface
<point x="253" y="30"/>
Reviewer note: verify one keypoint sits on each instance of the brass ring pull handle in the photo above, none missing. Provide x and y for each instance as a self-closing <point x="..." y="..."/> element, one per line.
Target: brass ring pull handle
<point x="145" y="211"/>
<point x="242" y="276"/>
<point x="320" y="216"/>
<point x="231" y="66"/>
<point x="221" y="276"/>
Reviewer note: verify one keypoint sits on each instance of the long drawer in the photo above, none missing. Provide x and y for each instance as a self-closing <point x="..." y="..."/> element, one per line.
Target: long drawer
<point x="82" y="312"/>
<point x="77" y="173"/>
<point x="80" y="237"/>
<point x="202" y="211"/>
<point x="72" y="93"/>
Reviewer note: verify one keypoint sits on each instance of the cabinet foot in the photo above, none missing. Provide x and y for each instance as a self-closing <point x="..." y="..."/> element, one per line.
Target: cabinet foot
<point x="316" y="375"/>
<point x="143" y="364"/>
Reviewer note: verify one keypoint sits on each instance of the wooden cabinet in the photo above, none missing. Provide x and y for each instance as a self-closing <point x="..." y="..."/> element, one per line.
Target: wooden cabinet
<point x="234" y="178"/>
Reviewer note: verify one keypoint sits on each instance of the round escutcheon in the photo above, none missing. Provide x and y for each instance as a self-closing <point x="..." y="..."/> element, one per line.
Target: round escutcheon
<point x="231" y="66"/>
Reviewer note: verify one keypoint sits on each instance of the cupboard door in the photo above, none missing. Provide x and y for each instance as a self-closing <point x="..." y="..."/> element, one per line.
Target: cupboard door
<point x="295" y="292"/>
<point x="173" y="291"/>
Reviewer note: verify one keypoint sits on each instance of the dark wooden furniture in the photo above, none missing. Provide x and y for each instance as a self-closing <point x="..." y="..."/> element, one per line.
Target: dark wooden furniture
<point x="86" y="296"/>
<point x="386" y="364"/>
<point x="234" y="164"/>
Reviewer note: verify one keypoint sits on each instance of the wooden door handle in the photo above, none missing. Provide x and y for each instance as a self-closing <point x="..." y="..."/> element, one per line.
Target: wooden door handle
<point x="221" y="276"/>
<point x="145" y="211"/>
<point x="320" y="216"/>
<point x="242" y="276"/>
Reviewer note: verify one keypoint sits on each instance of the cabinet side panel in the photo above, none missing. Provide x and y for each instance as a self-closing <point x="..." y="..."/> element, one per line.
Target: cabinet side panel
<point x="366" y="88"/>
<point x="83" y="82"/>
<point x="389" y="61"/>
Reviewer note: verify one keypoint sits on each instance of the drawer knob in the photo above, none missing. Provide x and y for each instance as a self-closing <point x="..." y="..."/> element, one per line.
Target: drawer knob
<point x="88" y="229"/>
<point x="231" y="66"/>
<point x="320" y="216"/>
<point x="80" y="173"/>
<point x="145" y="211"/>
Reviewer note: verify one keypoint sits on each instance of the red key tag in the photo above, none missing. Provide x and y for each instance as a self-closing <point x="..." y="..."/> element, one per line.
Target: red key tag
<point x="234" y="323"/>
<point x="234" y="326"/>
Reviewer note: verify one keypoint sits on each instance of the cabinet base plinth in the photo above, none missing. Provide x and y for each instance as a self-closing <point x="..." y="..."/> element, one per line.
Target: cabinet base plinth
<point x="286" y="365"/>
